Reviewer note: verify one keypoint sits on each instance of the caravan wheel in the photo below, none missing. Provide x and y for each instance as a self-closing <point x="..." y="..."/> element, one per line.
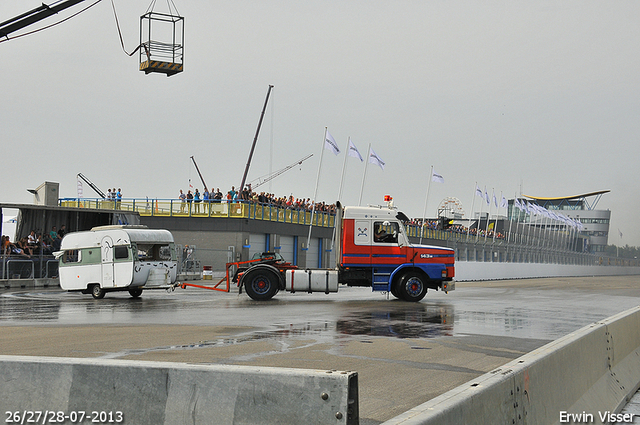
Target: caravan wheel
<point x="97" y="292"/>
<point x="135" y="293"/>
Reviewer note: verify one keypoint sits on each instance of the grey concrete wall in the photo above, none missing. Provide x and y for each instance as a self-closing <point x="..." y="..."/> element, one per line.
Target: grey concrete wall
<point x="176" y="393"/>
<point x="592" y="371"/>
<point x="472" y="270"/>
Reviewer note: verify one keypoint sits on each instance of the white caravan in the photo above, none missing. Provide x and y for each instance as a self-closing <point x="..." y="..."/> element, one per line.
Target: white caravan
<point x="117" y="258"/>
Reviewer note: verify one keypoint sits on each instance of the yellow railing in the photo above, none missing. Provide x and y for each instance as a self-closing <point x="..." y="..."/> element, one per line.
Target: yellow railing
<point x="414" y="231"/>
<point x="177" y="208"/>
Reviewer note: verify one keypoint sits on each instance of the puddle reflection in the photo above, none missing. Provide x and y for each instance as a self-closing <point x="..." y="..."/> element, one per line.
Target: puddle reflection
<point x="400" y="321"/>
<point x="54" y="307"/>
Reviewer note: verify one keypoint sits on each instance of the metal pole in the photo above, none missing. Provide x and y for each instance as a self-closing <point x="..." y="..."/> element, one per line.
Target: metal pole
<point x="315" y="193"/>
<point x="255" y="139"/>
<point x="426" y="198"/>
<point x="364" y="174"/>
<point x="198" y="170"/>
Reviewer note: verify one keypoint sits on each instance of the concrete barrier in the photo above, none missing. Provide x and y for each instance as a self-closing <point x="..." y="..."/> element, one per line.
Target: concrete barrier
<point x="173" y="393"/>
<point x="591" y="373"/>
<point x="29" y="283"/>
<point x="472" y="270"/>
<point x="465" y="271"/>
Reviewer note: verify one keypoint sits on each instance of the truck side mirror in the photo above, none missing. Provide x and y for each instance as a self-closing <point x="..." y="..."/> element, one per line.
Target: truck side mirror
<point x="401" y="240"/>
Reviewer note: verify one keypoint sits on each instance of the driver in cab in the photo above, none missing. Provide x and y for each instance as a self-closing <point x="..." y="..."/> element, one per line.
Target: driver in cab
<point x="380" y="234"/>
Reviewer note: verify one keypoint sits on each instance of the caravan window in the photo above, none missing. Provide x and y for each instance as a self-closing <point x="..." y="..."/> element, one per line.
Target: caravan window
<point x="121" y="252"/>
<point x="71" y="256"/>
<point x="164" y="252"/>
<point x="154" y="252"/>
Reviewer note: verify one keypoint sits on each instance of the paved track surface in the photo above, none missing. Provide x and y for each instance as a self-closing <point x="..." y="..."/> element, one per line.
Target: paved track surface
<point x="404" y="353"/>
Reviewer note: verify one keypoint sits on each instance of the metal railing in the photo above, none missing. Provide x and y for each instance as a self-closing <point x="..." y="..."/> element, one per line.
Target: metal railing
<point x="27" y="268"/>
<point x="18" y="269"/>
<point x="220" y="209"/>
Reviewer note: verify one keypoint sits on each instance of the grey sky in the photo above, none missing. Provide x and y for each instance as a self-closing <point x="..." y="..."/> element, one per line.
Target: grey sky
<point x="540" y="95"/>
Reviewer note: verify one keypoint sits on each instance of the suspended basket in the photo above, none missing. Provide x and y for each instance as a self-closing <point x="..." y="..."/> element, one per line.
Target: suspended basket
<point x="161" y="43"/>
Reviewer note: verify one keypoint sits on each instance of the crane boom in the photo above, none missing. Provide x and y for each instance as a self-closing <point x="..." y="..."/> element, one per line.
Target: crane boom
<point x="282" y="171"/>
<point x="33" y="16"/>
<point x="255" y="139"/>
<point x="93" y="186"/>
<point x="198" y="170"/>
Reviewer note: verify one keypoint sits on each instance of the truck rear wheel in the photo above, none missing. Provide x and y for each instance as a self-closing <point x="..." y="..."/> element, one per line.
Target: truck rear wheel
<point x="97" y="292"/>
<point x="412" y="287"/>
<point x="260" y="284"/>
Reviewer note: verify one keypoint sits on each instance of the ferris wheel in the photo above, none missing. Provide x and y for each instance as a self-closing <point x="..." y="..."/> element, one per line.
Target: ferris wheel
<point x="450" y="207"/>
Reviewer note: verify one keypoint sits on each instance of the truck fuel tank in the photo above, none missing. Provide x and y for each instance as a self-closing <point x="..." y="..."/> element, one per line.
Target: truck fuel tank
<point x="316" y="280"/>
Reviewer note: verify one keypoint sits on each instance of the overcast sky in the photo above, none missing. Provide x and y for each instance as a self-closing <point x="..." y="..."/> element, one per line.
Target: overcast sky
<point x="537" y="97"/>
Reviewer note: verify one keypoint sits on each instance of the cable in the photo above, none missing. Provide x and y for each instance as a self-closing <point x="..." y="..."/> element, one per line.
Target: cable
<point x="174" y="6"/>
<point x="120" y="32"/>
<point x="153" y="5"/>
<point x="51" y="25"/>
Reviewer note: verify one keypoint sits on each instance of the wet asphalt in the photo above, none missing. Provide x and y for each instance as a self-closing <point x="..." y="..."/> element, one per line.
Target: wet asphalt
<point x="404" y="353"/>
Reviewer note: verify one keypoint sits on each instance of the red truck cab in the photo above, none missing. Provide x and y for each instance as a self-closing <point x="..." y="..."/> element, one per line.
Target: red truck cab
<point x="375" y="251"/>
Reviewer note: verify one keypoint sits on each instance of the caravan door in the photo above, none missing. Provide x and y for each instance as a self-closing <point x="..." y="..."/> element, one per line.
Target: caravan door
<point x="107" y="262"/>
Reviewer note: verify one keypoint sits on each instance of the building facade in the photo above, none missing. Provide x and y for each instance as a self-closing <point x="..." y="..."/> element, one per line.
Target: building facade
<point x="580" y="208"/>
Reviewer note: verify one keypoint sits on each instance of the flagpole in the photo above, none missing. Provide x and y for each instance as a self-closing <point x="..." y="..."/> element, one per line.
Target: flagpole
<point x="481" y="207"/>
<point x="565" y="243"/>
<point x="364" y="174"/>
<point x="495" y="225"/>
<point x="478" y="228"/>
<point x="541" y="223"/>
<point x="557" y="236"/>
<point x="426" y="198"/>
<point x="473" y="201"/>
<point x="543" y="229"/>
<point x="545" y="238"/>
<point x="344" y="168"/>
<point x="488" y="217"/>
<point x="510" y="219"/>
<point x="549" y="224"/>
<point x="529" y="230"/>
<point x="315" y="193"/>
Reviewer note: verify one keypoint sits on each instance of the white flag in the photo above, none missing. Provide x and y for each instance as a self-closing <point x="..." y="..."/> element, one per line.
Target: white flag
<point x="437" y="178"/>
<point x="80" y="192"/>
<point x="353" y="151"/>
<point x="330" y="143"/>
<point x="375" y="159"/>
<point x="516" y="202"/>
<point x="478" y="191"/>
<point x="495" y="201"/>
<point x="504" y="203"/>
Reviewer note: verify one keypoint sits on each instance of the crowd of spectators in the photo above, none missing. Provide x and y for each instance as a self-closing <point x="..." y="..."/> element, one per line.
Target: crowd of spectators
<point x="249" y="196"/>
<point x="34" y="245"/>
<point x="302" y="204"/>
<point x="456" y="228"/>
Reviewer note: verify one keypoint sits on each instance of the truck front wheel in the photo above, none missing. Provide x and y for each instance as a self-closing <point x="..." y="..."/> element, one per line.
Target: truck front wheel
<point x="412" y="287"/>
<point x="395" y="285"/>
<point x="260" y="284"/>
